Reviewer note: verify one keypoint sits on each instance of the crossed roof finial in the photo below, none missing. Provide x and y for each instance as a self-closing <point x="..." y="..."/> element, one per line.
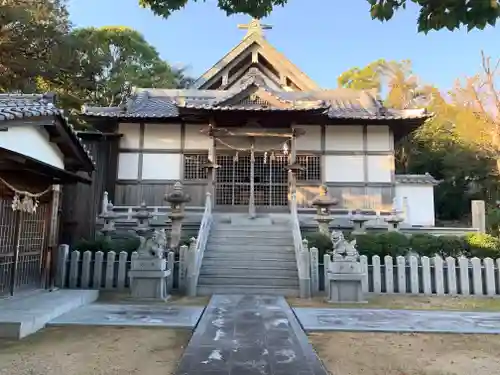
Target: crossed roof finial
<point x="255" y="27"/>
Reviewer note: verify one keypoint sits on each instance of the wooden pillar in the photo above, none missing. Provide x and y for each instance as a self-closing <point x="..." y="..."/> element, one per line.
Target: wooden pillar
<point x="251" y="200"/>
<point x="292" y="160"/>
<point x="212" y="159"/>
<point x="53" y="239"/>
<point x="17" y="240"/>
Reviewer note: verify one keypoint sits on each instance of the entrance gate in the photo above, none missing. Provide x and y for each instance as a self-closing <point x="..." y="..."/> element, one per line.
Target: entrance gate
<point x="233" y="180"/>
<point x="23" y="270"/>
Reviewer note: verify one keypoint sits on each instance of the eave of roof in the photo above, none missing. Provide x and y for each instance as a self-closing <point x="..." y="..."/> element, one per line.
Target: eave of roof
<point x="23" y="106"/>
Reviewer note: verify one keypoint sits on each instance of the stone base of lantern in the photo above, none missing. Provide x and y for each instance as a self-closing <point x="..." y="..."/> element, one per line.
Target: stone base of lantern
<point x="345" y="278"/>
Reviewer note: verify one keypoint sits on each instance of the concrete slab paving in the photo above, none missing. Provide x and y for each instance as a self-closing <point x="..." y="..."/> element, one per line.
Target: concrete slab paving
<point x="375" y="320"/>
<point x="23" y="315"/>
<point x="249" y="335"/>
<point x="132" y="315"/>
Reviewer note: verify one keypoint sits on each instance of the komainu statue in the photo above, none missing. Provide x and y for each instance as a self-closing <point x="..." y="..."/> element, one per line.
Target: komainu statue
<point x="153" y="246"/>
<point x="343" y="249"/>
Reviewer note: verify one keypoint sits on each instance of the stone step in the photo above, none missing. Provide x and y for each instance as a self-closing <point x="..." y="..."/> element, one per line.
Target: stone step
<point x="249" y="246"/>
<point x="263" y="271"/>
<point x="251" y="228"/>
<point x="269" y="261"/>
<point x="207" y="290"/>
<point x="246" y="234"/>
<point x="249" y="280"/>
<point x="243" y="256"/>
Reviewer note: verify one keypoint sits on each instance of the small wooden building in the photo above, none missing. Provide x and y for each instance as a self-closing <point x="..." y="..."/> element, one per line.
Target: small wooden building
<point x="39" y="152"/>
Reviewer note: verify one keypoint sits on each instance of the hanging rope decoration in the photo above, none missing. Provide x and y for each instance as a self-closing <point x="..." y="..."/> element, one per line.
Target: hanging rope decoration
<point x="24" y="200"/>
<point x="283" y="146"/>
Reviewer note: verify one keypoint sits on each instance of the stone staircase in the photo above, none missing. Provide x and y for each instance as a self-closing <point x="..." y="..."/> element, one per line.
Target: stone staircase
<point x="249" y="256"/>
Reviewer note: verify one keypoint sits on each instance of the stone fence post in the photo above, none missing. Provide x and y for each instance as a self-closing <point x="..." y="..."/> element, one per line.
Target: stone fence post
<point x="61" y="266"/>
<point x="478" y="211"/>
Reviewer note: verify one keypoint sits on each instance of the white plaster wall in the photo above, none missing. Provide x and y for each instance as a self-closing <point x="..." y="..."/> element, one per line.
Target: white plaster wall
<point x="344" y="168"/>
<point x="128" y="166"/>
<point x="161" y="167"/>
<point x="32" y="142"/>
<point x="379" y="138"/>
<point x="380" y="168"/>
<point x="311" y="140"/>
<point x="344" y="138"/>
<point x="420" y="203"/>
<point x="162" y="136"/>
<point x="194" y="140"/>
<point x="130" y="135"/>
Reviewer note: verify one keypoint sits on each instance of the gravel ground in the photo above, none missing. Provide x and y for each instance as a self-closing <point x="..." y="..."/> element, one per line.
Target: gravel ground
<point x="94" y="351"/>
<point x="408" y="354"/>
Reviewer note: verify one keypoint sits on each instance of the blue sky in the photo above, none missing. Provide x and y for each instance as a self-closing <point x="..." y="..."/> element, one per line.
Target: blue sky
<point x="323" y="37"/>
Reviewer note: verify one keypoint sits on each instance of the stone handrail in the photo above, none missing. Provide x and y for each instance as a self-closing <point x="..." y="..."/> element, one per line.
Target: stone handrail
<point x="197" y="248"/>
<point x="301" y="251"/>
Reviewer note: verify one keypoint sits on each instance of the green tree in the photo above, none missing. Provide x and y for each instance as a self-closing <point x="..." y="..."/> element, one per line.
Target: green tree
<point x="108" y="62"/>
<point x="33" y="42"/>
<point x="443" y="146"/>
<point x="433" y="15"/>
<point x="114" y="58"/>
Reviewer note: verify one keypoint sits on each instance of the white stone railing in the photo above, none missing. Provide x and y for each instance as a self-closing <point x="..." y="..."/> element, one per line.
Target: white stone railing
<point x="197" y="248"/>
<point x="424" y="275"/>
<point x="301" y="251"/>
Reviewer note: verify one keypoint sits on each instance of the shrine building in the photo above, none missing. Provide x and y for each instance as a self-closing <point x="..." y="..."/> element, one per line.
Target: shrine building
<point x="253" y="129"/>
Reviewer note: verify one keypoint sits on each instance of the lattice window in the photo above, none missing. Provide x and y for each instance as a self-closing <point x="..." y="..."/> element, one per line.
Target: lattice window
<point x="312" y="165"/>
<point x="193" y="166"/>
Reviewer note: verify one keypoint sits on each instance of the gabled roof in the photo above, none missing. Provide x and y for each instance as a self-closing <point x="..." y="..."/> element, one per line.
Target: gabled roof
<point x="334" y="104"/>
<point x="256" y="38"/>
<point x="32" y="106"/>
<point x="253" y="89"/>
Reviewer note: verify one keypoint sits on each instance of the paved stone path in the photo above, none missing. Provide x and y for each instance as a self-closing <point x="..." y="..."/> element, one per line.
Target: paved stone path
<point x="158" y="315"/>
<point x="249" y="335"/>
<point x="398" y="320"/>
<point x="25" y="314"/>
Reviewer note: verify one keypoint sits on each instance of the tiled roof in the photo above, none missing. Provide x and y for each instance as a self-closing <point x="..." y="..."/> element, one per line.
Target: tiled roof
<point x="418" y="179"/>
<point x="337" y="104"/>
<point x="19" y="106"/>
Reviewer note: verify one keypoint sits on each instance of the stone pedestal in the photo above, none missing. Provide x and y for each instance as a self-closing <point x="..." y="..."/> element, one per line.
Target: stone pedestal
<point x="148" y="272"/>
<point x="148" y="278"/>
<point x="345" y="275"/>
<point x="345" y="278"/>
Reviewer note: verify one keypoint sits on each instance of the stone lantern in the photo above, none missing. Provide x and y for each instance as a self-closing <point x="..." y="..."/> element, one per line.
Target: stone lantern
<point x="394" y="220"/>
<point x="177" y="199"/>
<point x="359" y="220"/>
<point x="143" y="217"/>
<point x="323" y="202"/>
<point x="293" y="169"/>
<point x="109" y="217"/>
<point x="211" y="167"/>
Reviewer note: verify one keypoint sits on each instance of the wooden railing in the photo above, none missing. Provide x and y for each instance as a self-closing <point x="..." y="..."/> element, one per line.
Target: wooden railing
<point x="301" y="251"/>
<point x="197" y="248"/>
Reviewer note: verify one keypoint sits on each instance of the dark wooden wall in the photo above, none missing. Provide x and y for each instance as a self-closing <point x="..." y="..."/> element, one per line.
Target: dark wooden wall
<point x="81" y="203"/>
<point x="133" y="193"/>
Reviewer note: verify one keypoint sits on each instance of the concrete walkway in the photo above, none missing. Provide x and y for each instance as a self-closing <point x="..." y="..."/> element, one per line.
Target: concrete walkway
<point x="249" y="335"/>
<point x="327" y="319"/>
<point x="25" y="314"/>
<point x="132" y="315"/>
